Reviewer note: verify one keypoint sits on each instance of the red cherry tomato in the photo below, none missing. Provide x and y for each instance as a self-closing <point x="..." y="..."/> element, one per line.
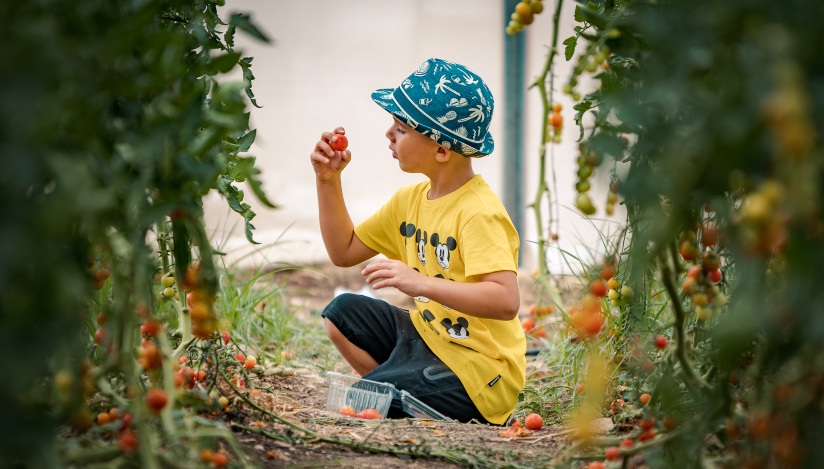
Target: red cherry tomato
<point x="534" y="422"/>
<point x="340" y="143"/>
<point x="370" y="414"/>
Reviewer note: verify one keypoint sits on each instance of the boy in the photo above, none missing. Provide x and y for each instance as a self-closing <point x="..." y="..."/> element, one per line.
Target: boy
<point x="449" y="244"/>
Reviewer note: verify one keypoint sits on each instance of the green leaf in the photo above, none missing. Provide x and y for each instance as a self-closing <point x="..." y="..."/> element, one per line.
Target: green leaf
<point x="248" y="77"/>
<point x="245" y="141"/>
<point x="229" y="37"/>
<point x="247" y="169"/>
<point x="579" y="14"/>
<point x="582" y="108"/>
<point x="248" y="216"/>
<point x="242" y="21"/>
<point x="569" y="50"/>
<point x="224" y="63"/>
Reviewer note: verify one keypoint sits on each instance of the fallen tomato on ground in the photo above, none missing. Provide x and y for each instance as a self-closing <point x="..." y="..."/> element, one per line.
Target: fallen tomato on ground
<point x="534" y="421"/>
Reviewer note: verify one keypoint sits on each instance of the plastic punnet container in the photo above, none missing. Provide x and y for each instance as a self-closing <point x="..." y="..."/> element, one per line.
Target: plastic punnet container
<point x="358" y="393"/>
<point x="363" y="394"/>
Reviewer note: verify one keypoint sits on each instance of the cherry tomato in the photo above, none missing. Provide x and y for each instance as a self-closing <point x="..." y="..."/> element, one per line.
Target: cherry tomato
<point x="340" y="143"/>
<point x="534" y="421"/>
<point x="347" y="410"/>
<point x="127" y="442"/>
<point x="661" y="342"/>
<point x="528" y="324"/>
<point x="370" y="414"/>
<point x="645" y="398"/>
<point x="608" y="272"/>
<point x="156" y="399"/>
<point x="150" y="327"/>
<point x="220" y="459"/>
<point x="598" y="288"/>
<point x="613" y="453"/>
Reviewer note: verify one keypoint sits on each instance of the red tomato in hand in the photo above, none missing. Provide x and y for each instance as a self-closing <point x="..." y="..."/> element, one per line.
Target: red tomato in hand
<point x="534" y="422"/>
<point x="340" y="143"/>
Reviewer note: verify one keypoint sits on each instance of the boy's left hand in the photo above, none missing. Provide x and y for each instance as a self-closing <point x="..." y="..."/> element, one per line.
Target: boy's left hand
<point x="391" y="273"/>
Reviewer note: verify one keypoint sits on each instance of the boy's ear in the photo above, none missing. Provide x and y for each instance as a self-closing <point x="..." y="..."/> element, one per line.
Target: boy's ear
<point x="442" y="154"/>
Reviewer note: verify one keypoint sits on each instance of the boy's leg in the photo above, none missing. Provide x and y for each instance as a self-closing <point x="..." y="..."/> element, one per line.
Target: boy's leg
<point x="385" y="334"/>
<point x="360" y="360"/>
<point x="363" y="329"/>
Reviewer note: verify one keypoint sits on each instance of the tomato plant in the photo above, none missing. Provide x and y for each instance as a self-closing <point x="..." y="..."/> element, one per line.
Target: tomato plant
<point x="714" y="269"/>
<point x="128" y="125"/>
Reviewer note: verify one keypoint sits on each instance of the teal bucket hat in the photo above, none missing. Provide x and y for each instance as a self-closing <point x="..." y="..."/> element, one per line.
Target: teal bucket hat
<point x="446" y="102"/>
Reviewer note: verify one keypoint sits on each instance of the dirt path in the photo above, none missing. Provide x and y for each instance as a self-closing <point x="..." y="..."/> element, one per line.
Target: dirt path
<point x="301" y="398"/>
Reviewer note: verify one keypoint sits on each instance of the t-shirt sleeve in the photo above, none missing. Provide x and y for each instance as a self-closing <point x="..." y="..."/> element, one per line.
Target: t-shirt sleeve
<point x="489" y="244"/>
<point x="380" y="231"/>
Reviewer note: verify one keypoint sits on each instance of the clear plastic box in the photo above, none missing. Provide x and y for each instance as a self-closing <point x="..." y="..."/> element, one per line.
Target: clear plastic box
<point x="358" y="393"/>
<point x="363" y="394"/>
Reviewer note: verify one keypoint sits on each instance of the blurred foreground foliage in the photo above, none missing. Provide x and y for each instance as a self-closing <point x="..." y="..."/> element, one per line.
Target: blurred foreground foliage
<point x="707" y="116"/>
<point x="114" y="128"/>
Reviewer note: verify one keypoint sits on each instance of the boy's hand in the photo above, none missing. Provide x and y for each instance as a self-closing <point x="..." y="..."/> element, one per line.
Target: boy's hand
<point x="327" y="162"/>
<point x="391" y="273"/>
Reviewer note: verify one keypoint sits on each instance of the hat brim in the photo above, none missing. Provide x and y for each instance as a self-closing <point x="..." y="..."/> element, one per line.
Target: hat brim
<point x="384" y="98"/>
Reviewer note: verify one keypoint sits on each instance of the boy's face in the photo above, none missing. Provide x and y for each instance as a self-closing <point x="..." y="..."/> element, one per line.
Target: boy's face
<point x="415" y="152"/>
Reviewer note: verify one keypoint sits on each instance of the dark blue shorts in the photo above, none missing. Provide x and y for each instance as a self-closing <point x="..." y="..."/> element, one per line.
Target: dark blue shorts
<point x="387" y="334"/>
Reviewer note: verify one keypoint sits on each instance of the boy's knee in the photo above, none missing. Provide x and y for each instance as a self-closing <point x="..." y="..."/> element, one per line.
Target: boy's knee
<point x="332" y="331"/>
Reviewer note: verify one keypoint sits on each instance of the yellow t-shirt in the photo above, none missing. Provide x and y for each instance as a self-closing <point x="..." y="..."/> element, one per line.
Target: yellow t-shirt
<point x="458" y="237"/>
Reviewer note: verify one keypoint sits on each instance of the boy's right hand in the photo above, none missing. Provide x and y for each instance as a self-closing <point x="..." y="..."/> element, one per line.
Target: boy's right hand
<point x="327" y="162"/>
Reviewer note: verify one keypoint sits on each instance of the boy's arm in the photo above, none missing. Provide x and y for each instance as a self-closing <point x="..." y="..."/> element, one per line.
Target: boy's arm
<point x="494" y="296"/>
<point x="337" y="229"/>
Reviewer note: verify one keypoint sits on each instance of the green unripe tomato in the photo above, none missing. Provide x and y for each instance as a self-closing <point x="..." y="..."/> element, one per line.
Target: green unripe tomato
<point x="167" y="281"/>
<point x="626" y="290"/>
<point x="169" y="292"/>
<point x="582" y="186"/>
<point x="584" y="204"/>
<point x="613" y="294"/>
<point x="585" y="172"/>
<point x="703" y="312"/>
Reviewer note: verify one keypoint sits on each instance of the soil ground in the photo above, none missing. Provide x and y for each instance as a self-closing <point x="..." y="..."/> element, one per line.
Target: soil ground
<point x="301" y="398"/>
